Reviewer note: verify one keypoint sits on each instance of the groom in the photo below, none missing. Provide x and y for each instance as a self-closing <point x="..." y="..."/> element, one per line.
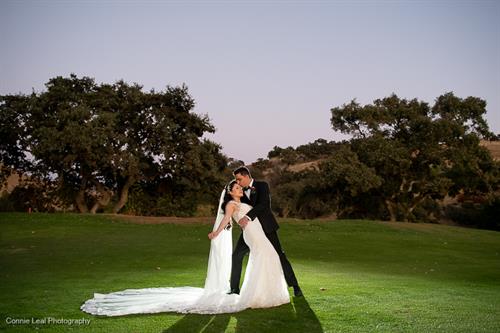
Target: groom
<point x="256" y="194"/>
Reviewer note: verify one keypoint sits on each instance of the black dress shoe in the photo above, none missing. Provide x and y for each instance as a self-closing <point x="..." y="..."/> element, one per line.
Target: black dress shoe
<point x="297" y="291"/>
<point x="234" y="291"/>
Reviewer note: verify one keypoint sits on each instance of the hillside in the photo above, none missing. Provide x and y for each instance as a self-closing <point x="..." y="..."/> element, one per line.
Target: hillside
<point x="492" y="146"/>
<point x="10" y="184"/>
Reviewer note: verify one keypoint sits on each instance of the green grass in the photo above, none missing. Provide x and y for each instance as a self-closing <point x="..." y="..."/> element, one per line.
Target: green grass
<point x="357" y="276"/>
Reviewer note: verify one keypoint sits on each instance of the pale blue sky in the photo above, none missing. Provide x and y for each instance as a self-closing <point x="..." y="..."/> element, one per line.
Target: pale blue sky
<point x="266" y="72"/>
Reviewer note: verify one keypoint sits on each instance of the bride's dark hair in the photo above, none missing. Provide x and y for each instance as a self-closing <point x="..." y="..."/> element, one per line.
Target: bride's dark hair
<point x="227" y="196"/>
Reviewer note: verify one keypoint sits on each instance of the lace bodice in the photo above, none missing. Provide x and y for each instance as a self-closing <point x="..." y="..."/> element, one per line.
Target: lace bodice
<point x="241" y="210"/>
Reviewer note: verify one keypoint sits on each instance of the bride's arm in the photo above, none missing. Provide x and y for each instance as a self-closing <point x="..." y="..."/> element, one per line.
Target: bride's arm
<point x="230" y="207"/>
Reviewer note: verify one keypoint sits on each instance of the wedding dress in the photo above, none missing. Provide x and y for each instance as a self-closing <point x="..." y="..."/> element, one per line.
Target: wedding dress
<point x="264" y="284"/>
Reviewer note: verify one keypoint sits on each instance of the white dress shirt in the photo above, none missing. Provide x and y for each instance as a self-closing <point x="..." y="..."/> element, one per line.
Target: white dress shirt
<point x="249" y="190"/>
<point x="248" y="193"/>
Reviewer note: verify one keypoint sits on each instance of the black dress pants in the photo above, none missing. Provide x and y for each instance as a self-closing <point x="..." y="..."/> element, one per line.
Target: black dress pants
<point x="242" y="249"/>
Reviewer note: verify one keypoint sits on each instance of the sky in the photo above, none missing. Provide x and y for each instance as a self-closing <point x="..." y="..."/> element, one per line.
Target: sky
<point x="266" y="73"/>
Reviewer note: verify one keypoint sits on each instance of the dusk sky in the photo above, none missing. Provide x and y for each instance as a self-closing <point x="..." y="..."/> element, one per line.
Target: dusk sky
<point x="267" y="73"/>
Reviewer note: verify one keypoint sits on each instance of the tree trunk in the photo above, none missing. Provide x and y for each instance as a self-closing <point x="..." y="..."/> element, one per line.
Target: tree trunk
<point x="390" y="207"/>
<point x="123" y="194"/>
<point x="417" y="200"/>
<point x="285" y="212"/>
<point x="103" y="197"/>
<point x="80" y="201"/>
<point x="81" y="204"/>
<point x="95" y="207"/>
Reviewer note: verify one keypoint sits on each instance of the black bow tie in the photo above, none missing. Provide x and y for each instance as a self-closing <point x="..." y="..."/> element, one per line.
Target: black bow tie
<point x="246" y="188"/>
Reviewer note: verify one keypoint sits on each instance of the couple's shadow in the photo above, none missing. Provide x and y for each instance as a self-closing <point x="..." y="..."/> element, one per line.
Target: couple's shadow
<point x="293" y="317"/>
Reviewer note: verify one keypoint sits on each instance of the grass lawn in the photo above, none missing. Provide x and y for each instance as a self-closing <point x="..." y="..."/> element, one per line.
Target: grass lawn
<point x="357" y="276"/>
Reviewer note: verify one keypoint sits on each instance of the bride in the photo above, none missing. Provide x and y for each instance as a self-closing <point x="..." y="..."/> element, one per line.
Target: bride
<point x="264" y="284"/>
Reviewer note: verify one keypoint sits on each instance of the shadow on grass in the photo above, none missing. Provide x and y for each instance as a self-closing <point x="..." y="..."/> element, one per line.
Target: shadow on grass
<point x="296" y="317"/>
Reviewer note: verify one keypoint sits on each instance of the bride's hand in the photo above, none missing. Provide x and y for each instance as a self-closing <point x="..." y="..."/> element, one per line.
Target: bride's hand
<point x="212" y="235"/>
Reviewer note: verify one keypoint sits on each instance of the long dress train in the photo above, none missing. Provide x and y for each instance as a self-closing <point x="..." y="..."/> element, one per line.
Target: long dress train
<point x="264" y="284"/>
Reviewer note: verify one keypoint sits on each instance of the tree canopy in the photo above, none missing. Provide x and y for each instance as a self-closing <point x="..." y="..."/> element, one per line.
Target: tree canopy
<point x="421" y="152"/>
<point x="405" y="157"/>
<point x="97" y="140"/>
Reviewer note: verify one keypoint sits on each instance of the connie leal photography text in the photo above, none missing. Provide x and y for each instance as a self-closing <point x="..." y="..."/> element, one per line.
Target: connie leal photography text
<point x="47" y="321"/>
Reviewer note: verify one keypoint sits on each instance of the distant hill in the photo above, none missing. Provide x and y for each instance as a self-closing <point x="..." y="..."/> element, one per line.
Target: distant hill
<point x="11" y="183"/>
<point x="493" y="147"/>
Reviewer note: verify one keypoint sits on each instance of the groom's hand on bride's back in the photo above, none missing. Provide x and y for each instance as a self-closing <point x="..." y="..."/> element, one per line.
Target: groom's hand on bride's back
<point x="243" y="222"/>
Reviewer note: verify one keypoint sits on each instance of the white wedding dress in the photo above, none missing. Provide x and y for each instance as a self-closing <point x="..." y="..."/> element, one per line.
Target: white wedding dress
<point x="264" y="284"/>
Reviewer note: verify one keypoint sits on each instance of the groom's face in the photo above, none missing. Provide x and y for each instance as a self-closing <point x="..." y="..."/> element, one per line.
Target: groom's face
<point x="242" y="180"/>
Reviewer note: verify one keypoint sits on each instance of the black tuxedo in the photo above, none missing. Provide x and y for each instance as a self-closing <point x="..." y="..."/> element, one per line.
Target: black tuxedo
<point x="260" y="200"/>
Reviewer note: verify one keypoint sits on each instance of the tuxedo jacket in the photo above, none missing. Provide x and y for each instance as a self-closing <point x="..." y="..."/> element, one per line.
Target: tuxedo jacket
<point x="260" y="200"/>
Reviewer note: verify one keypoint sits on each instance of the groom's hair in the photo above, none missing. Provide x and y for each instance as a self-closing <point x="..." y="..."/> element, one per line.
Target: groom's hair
<point x="242" y="170"/>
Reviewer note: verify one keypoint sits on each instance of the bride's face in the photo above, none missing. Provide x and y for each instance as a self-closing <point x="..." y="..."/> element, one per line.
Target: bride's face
<point x="237" y="191"/>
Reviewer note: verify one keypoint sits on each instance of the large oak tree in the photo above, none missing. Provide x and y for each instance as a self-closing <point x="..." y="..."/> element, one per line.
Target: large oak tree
<point x="420" y="152"/>
<point x="97" y="140"/>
